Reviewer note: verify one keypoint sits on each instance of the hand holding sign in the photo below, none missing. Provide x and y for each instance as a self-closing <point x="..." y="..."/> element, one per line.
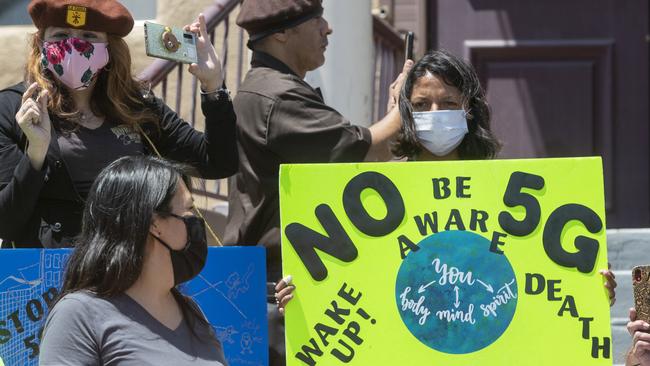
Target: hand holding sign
<point x="284" y="293"/>
<point x="610" y="283"/>
<point x="503" y="250"/>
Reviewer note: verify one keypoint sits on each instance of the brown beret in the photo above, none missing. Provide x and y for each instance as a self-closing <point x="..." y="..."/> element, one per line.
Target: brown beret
<point x="94" y="15"/>
<point x="262" y="18"/>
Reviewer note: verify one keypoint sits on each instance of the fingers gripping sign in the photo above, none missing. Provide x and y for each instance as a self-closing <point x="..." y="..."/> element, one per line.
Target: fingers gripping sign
<point x="284" y="293"/>
<point x="610" y="283"/>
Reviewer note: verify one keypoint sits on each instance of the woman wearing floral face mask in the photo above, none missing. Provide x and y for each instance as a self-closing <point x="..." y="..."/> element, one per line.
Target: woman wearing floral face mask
<point x="80" y="108"/>
<point x="445" y="116"/>
<point x="119" y="303"/>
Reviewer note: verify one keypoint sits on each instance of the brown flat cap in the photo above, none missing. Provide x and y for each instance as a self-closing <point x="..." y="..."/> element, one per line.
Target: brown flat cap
<point x="262" y="18"/>
<point x="94" y="15"/>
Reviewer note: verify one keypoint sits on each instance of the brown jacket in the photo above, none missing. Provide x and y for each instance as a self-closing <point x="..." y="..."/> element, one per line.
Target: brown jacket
<point x="280" y="120"/>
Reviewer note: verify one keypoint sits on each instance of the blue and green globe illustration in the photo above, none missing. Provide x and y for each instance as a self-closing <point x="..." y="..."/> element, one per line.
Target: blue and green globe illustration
<point x="454" y="294"/>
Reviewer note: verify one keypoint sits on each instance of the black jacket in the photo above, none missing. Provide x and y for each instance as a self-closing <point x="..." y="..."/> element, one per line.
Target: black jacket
<point x="42" y="208"/>
<point x="282" y="120"/>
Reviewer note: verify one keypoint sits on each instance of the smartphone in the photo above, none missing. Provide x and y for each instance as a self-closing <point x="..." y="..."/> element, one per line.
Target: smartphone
<point x="170" y="43"/>
<point x="408" y="46"/>
<point x="641" y="286"/>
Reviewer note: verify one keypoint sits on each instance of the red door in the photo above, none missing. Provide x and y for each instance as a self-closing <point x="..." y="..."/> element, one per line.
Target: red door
<point x="563" y="78"/>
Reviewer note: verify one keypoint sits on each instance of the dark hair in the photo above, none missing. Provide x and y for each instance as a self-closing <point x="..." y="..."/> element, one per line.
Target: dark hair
<point x="109" y="254"/>
<point x="479" y="143"/>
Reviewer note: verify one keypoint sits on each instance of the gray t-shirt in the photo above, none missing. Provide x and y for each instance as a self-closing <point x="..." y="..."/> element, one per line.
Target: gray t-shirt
<point x="84" y="329"/>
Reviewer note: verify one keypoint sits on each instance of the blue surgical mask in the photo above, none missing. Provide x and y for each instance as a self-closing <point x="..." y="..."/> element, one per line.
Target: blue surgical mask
<point x="440" y="132"/>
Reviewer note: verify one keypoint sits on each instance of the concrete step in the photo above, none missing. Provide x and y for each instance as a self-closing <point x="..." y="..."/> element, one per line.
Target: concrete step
<point x="628" y="247"/>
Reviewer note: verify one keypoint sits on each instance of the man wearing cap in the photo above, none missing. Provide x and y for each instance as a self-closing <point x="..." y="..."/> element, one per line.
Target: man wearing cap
<point x="282" y="119"/>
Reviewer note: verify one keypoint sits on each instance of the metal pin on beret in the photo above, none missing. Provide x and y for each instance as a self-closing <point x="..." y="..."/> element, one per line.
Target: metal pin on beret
<point x="262" y="18"/>
<point x="94" y="15"/>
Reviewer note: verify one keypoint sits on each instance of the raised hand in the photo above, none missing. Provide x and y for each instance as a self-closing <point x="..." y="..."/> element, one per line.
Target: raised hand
<point x="34" y="120"/>
<point x="208" y="68"/>
<point x="396" y="86"/>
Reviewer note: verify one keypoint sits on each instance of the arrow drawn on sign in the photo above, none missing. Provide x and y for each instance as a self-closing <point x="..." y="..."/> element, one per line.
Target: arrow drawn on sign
<point x="424" y="287"/>
<point x="456" y="303"/>
<point x="487" y="287"/>
<point x="21" y="281"/>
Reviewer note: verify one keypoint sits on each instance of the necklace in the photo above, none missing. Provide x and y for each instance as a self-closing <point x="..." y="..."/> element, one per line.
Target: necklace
<point x="89" y="120"/>
<point x="84" y="116"/>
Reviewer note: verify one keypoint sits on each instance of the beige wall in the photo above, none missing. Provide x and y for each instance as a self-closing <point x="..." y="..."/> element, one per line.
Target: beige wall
<point x="406" y="15"/>
<point x="12" y="59"/>
<point x="411" y="15"/>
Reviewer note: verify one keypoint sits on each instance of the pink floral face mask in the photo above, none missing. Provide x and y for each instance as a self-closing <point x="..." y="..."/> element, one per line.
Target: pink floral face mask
<point x="75" y="62"/>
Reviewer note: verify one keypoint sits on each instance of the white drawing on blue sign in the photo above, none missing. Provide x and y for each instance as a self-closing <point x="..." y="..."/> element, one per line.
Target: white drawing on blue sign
<point x="224" y="334"/>
<point x="235" y="285"/>
<point x="20" y="282"/>
<point x="246" y="343"/>
<point x="241" y="336"/>
<point x="238" y="284"/>
<point x="23" y="303"/>
<point x="213" y="286"/>
<point x="249" y="337"/>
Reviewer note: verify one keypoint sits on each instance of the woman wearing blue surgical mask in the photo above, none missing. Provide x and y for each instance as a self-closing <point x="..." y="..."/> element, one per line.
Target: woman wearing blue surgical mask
<point x="444" y="112"/>
<point x="445" y="117"/>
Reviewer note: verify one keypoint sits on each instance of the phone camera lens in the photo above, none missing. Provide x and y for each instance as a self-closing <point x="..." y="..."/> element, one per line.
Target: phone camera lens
<point x="637" y="275"/>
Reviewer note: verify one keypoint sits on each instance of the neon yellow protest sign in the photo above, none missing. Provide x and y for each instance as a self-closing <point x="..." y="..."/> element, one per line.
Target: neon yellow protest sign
<point x="449" y="263"/>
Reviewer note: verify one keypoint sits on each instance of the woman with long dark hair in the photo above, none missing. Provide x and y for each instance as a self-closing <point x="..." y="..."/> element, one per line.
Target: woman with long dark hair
<point x="80" y="108"/>
<point x="119" y="303"/>
<point x="445" y="116"/>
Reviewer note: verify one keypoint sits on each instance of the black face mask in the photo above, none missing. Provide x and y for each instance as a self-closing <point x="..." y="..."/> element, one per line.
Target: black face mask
<point x="189" y="261"/>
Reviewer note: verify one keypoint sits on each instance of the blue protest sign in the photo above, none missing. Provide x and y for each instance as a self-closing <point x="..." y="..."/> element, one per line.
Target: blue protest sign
<point x="231" y="291"/>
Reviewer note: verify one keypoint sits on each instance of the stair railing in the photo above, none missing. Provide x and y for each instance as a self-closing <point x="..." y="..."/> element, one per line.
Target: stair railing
<point x="168" y="79"/>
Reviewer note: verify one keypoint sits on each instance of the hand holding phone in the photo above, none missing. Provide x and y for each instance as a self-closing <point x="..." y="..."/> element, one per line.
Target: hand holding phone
<point x="208" y="68"/>
<point x="408" y="46"/>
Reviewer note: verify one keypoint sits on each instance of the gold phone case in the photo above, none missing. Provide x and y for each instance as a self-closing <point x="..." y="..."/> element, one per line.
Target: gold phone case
<point x="641" y="286"/>
<point x="170" y="43"/>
